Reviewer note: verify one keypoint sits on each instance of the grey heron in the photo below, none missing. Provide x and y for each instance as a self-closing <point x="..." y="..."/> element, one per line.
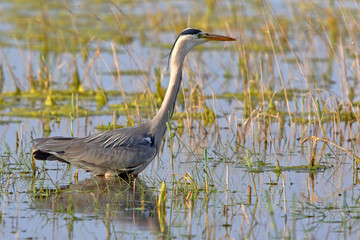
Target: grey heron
<point x="126" y="150"/>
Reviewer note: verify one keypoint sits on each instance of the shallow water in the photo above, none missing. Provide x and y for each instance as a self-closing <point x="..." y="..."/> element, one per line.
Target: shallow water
<point x="245" y="176"/>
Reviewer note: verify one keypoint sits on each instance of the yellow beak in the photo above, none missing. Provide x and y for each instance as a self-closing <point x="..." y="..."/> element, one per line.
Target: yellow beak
<point x="214" y="37"/>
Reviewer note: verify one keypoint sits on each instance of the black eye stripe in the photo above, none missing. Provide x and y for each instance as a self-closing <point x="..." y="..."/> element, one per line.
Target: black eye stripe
<point x="190" y="31"/>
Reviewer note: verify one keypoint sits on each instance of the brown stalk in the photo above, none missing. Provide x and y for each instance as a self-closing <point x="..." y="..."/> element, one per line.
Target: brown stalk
<point x="316" y="139"/>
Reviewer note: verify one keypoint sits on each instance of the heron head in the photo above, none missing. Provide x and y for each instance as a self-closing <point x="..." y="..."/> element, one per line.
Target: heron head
<point x="192" y="37"/>
<point x="197" y="37"/>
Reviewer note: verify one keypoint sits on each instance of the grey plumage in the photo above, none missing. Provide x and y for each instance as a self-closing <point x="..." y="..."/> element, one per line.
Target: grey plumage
<point x="126" y="150"/>
<point x="130" y="145"/>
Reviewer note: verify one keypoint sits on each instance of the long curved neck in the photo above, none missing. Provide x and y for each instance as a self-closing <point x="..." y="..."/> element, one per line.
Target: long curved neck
<point x="167" y="107"/>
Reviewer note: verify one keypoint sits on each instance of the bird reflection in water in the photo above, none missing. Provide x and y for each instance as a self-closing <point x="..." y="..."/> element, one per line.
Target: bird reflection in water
<point x="111" y="199"/>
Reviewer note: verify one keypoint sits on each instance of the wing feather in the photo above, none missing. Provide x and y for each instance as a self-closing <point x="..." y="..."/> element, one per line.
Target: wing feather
<point x="126" y="149"/>
<point x="127" y="137"/>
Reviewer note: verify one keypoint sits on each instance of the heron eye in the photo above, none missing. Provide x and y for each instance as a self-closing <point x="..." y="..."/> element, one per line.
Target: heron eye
<point x="198" y="35"/>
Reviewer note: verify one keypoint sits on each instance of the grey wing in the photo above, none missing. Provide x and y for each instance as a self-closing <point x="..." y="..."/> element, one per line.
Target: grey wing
<point x="123" y="149"/>
<point x="126" y="149"/>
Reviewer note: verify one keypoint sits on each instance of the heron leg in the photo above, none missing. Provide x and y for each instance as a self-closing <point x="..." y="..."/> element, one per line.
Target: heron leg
<point x="134" y="185"/>
<point x="134" y="188"/>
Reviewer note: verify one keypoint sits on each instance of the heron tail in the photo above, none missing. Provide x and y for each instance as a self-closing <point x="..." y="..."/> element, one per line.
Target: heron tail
<point x="51" y="148"/>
